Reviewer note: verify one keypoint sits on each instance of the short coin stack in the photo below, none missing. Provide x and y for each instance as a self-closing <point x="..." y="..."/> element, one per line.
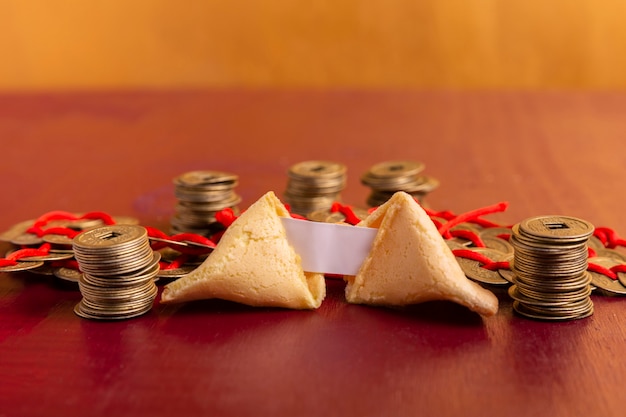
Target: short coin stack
<point x="118" y="270"/>
<point x="201" y="194"/>
<point x="314" y="185"/>
<point x="386" y="178"/>
<point x="550" y="275"/>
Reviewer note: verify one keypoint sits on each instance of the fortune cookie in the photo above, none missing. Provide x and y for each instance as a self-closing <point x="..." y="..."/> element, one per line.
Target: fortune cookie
<point x="410" y="263"/>
<point x="253" y="264"/>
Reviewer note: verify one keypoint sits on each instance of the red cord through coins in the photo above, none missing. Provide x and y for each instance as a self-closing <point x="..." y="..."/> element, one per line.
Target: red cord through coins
<point x="469" y="235"/>
<point x="479" y="257"/>
<point x="609" y="237"/>
<point x="473" y="215"/>
<point x="347" y="211"/>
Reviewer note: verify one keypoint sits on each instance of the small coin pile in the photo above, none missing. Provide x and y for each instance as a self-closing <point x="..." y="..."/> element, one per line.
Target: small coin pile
<point x="386" y="178"/>
<point x="314" y="185"/>
<point x="118" y="270"/>
<point x="60" y="252"/>
<point x="497" y="249"/>
<point x="550" y="275"/>
<point x="200" y="195"/>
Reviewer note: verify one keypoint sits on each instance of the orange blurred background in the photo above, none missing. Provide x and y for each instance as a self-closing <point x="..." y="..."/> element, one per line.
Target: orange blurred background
<point x="425" y="44"/>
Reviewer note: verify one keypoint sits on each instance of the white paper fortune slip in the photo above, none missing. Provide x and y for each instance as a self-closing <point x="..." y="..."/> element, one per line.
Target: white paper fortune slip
<point x="329" y="248"/>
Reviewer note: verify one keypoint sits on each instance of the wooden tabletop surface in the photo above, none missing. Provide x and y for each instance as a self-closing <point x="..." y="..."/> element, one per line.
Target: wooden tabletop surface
<point x="543" y="153"/>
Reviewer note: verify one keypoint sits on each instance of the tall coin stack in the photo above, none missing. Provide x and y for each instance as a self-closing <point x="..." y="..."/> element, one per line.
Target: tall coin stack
<point x="387" y="178"/>
<point x="118" y="272"/>
<point x="201" y="194"/>
<point x="314" y="185"/>
<point x="550" y="275"/>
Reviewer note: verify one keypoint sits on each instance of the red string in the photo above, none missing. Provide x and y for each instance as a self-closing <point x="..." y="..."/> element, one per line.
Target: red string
<point x="601" y="270"/>
<point x="484" y="223"/>
<point x="66" y="263"/>
<point x="64" y="215"/>
<point x="53" y="215"/>
<point x="609" y="237"/>
<point x="98" y="215"/>
<point x="436" y="222"/>
<point x="44" y="219"/>
<point x="14" y="257"/>
<point x="446" y="215"/>
<point x="469" y="235"/>
<point x="43" y="250"/>
<point x="444" y="230"/>
<point x="602" y="237"/>
<point x="180" y="238"/>
<point x="225" y="216"/>
<point x="154" y="232"/>
<point x="618" y="268"/>
<point x="347" y="211"/>
<point x="63" y="231"/>
<point x="176" y="263"/>
<point x="216" y="237"/>
<point x="193" y="238"/>
<point x="479" y="257"/>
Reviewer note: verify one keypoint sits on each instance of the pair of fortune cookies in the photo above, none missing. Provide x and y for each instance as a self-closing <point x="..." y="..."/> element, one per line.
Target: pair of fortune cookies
<point x="408" y="263"/>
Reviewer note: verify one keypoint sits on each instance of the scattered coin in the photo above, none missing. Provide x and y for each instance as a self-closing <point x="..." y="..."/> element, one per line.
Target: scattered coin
<point x="507" y="274"/>
<point x="26" y="239"/>
<point x="454" y="244"/>
<point x="51" y="256"/>
<point x="608" y="285"/>
<point x="473" y="269"/>
<point x="21" y="266"/>
<point x="595" y="243"/>
<point x="16" y="231"/>
<point x="67" y="274"/>
<point x="498" y="244"/>
<point x="176" y="273"/>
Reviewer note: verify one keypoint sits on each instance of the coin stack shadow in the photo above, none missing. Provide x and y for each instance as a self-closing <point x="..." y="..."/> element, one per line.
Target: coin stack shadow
<point x="314" y="185"/>
<point x="118" y="272"/>
<point x="201" y="194"/>
<point x="387" y="178"/>
<point x="550" y="275"/>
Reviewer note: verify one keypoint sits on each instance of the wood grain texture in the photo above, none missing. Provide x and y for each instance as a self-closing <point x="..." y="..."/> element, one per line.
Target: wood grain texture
<point x="543" y="152"/>
<point x="56" y="44"/>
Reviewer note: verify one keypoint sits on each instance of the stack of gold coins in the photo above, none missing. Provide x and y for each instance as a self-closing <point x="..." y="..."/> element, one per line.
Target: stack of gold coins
<point x="387" y="178"/>
<point x="314" y="185"/>
<point x="550" y="275"/>
<point x="118" y="272"/>
<point x="201" y="194"/>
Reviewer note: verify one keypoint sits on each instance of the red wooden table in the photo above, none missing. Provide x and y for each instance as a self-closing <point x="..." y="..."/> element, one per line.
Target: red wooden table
<point x="544" y="153"/>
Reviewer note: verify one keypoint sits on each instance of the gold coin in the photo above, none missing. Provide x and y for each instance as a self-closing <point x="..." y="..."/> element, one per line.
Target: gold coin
<point x="474" y="270"/>
<point x="204" y="178"/>
<point x="394" y="169"/>
<point x="561" y="228"/>
<point x="317" y="169"/>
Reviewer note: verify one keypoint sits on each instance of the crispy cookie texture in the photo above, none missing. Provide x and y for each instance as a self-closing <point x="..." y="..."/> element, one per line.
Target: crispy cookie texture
<point x="410" y="263"/>
<point x="253" y="264"/>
